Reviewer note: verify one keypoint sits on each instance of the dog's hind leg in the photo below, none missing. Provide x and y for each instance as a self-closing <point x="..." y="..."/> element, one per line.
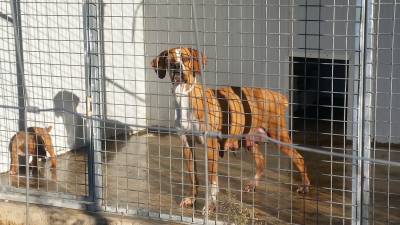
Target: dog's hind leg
<point x="188" y="155"/>
<point x="280" y="132"/>
<point x="260" y="165"/>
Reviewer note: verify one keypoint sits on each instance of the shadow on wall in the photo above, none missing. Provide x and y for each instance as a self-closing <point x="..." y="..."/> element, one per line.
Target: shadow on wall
<point x="75" y="125"/>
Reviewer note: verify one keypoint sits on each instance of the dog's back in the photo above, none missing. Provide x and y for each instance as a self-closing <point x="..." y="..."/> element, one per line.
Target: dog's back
<point x="35" y="142"/>
<point x="243" y="110"/>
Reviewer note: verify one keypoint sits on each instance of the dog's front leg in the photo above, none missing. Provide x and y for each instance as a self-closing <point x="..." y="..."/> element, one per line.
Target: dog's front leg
<point x="53" y="156"/>
<point x="14" y="158"/>
<point x="212" y="155"/>
<point x="50" y="150"/>
<point x="188" y="154"/>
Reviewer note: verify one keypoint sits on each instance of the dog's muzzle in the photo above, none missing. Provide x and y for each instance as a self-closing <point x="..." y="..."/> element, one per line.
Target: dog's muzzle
<point x="177" y="78"/>
<point x="176" y="72"/>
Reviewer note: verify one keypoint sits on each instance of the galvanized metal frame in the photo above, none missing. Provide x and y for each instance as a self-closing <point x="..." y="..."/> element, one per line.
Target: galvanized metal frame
<point x="366" y="111"/>
<point x="362" y="111"/>
<point x="22" y="94"/>
<point x="94" y="126"/>
<point x="94" y="86"/>
<point x="19" y="54"/>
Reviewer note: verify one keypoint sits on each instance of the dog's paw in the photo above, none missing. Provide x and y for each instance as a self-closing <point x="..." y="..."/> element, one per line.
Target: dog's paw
<point x="303" y="189"/>
<point x="187" y="202"/>
<point x="212" y="208"/>
<point x="250" y="187"/>
<point x="13" y="172"/>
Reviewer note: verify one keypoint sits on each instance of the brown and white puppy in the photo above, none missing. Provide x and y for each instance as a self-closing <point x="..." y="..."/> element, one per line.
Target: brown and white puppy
<point x="232" y="110"/>
<point x="39" y="141"/>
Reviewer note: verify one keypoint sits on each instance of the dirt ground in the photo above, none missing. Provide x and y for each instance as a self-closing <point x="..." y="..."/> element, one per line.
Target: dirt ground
<point x="146" y="173"/>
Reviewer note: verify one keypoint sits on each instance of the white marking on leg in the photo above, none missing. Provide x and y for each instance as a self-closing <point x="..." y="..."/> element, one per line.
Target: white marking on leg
<point x="214" y="191"/>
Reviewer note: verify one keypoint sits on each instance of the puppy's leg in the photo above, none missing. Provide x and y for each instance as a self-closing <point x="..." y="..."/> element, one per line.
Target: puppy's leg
<point x="14" y="156"/>
<point x="53" y="156"/>
<point x="260" y="165"/>
<point x="34" y="152"/>
<point x="280" y="132"/>
<point x="188" y="154"/>
<point x="212" y="155"/>
<point x="35" y="165"/>
<point x="50" y="149"/>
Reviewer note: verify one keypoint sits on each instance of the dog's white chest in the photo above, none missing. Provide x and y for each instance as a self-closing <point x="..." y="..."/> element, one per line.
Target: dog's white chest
<point x="184" y="117"/>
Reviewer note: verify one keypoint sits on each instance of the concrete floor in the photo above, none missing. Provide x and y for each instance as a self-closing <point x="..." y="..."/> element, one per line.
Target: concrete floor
<point x="13" y="213"/>
<point x="146" y="174"/>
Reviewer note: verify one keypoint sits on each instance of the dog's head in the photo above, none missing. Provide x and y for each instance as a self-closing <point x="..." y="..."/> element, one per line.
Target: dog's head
<point x="182" y="64"/>
<point x="43" y="132"/>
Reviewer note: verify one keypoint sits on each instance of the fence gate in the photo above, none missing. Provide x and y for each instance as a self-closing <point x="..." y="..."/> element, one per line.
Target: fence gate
<point x="82" y="71"/>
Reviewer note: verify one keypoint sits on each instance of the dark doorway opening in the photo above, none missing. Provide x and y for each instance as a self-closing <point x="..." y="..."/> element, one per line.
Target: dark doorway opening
<point x="319" y="100"/>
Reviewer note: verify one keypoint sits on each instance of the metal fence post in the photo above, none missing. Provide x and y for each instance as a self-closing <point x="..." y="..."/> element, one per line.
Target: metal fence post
<point x="94" y="100"/>
<point x="21" y="90"/>
<point x="365" y="133"/>
<point x="19" y="61"/>
<point x="356" y="165"/>
<point x="362" y="113"/>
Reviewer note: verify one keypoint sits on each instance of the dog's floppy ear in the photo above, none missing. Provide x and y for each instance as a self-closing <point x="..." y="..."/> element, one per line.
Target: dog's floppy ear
<point x="160" y="64"/>
<point x="196" y="60"/>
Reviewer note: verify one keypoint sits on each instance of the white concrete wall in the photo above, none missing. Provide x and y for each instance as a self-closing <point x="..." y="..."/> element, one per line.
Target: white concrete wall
<point x="124" y="62"/>
<point x="387" y="86"/>
<point x="54" y="70"/>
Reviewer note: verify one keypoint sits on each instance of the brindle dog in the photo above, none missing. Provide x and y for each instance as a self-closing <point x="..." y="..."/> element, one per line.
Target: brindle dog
<point x="231" y="110"/>
<point x="39" y="141"/>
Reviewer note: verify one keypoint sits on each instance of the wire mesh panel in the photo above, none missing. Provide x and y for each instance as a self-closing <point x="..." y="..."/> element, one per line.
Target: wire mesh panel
<point x="125" y="164"/>
<point x="304" y="50"/>
<point x="51" y="50"/>
<point x="8" y="74"/>
<point x="385" y="129"/>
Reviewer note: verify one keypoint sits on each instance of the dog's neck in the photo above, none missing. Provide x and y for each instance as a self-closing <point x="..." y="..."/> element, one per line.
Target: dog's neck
<point x="186" y="110"/>
<point x="183" y="88"/>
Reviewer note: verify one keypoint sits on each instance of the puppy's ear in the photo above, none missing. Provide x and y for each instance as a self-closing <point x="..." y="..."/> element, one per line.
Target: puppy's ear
<point x="196" y="61"/>
<point x="159" y="64"/>
<point x="48" y="129"/>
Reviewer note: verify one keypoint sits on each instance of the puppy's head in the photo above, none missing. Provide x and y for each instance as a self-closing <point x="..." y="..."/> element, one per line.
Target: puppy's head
<point x="182" y="64"/>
